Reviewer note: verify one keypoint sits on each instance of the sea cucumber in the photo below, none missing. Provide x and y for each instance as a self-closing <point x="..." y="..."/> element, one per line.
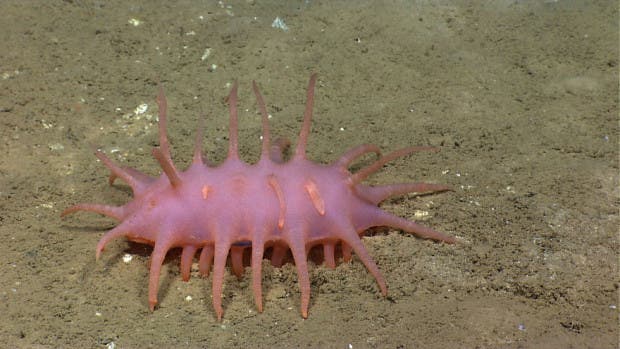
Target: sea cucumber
<point x="276" y="204"/>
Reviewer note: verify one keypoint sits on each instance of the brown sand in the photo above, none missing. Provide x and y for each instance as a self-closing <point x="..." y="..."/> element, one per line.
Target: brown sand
<point x="522" y="97"/>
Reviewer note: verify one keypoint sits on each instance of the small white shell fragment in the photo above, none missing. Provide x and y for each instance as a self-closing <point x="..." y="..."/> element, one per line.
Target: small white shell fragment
<point x="46" y="124"/>
<point x="56" y="147"/>
<point x="97" y="313"/>
<point x="206" y="54"/>
<point x="278" y="23"/>
<point x="419" y="214"/>
<point x="135" y="22"/>
<point x="141" y="109"/>
<point x="188" y="298"/>
<point x="127" y="258"/>
<point x="8" y="75"/>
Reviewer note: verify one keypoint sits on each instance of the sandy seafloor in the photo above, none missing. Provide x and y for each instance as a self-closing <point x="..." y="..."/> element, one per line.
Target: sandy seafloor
<point x="520" y="96"/>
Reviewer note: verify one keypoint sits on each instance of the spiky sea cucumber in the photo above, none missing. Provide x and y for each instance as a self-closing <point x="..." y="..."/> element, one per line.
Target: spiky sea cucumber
<point x="273" y="204"/>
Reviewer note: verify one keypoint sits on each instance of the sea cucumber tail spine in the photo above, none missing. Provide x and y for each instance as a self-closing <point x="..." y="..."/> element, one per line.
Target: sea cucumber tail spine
<point x="233" y="134"/>
<point x="298" y="250"/>
<point x="350" y="155"/>
<point x="236" y="260"/>
<point x="205" y="260"/>
<point x="258" y="249"/>
<point x="186" y="261"/>
<point x="136" y="185"/>
<point x="265" y="122"/>
<point x="167" y="166"/>
<point x="110" y="211"/>
<point x="376" y="166"/>
<point x="160" y="250"/>
<point x="118" y="231"/>
<point x="382" y="218"/>
<point x="300" y="150"/>
<point x="198" y="157"/>
<point x="219" y="264"/>
<point x="162" y="153"/>
<point x="142" y="179"/>
<point x="352" y="239"/>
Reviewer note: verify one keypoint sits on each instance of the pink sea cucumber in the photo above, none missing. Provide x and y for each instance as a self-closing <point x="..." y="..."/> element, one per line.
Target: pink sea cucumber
<point x="274" y="204"/>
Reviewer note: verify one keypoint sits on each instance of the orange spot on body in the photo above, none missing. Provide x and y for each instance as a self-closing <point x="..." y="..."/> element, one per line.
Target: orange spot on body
<point x="315" y="197"/>
<point x="205" y="191"/>
<point x="273" y="182"/>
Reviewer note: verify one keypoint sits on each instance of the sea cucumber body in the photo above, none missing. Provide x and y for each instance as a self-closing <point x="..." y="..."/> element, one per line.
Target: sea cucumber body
<point x="237" y="197"/>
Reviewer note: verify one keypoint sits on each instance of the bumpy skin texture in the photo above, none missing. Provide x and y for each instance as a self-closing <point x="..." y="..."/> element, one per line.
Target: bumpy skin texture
<point x="222" y="210"/>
